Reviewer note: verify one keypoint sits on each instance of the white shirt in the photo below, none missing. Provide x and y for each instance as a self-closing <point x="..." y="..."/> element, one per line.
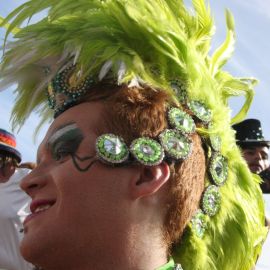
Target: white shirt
<point x="12" y="199"/>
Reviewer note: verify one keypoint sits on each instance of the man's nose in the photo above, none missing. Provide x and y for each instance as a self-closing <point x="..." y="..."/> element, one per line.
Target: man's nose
<point x="258" y="156"/>
<point x="33" y="182"/>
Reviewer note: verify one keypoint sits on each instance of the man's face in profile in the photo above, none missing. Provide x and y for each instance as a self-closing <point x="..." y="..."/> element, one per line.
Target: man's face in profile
<point x="256" y="158"/>
<point x="7" y="168"/>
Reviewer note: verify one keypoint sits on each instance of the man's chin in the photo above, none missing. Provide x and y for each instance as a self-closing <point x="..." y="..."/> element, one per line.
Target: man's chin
<point x="29" y="250"/>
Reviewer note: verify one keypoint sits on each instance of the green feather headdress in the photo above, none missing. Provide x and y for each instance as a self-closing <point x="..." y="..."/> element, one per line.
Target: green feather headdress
<point x="131" y="39"/>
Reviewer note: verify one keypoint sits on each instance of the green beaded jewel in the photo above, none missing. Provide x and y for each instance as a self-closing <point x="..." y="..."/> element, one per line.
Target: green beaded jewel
<point x="181" y="120"/>
<point x="179" y="89"/>
<point x="218" y="169"/>
<point x="111" y="148"/>
<point x="215" y="142"/>
<point x="175" y="144"/>
<point x="177" y="267"/>
<point x="211" y="200"/>
<point x="61" y="83"/>
<point x="200" y="110"/>
<point x="147" y="151"/>
<point x="199" y="223"/>
<point x="51" y="97"/>
<point x="66" y="89"/>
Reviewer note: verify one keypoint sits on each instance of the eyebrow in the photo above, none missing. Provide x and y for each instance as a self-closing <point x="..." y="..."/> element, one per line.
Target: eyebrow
<point x="59" y="131"/>
<point x="56" y="133"/>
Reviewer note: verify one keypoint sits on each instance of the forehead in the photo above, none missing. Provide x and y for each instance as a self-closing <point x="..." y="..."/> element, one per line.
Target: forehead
<point x="89" y="117"/>
<point x="258" y="148"/>
<point x="4" y="154"/>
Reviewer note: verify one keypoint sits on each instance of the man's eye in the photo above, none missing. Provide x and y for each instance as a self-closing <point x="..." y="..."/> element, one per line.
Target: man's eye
<point x="61" y="154"/>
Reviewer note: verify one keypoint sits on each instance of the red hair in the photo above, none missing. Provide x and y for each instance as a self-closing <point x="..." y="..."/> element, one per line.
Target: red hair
<point x="135" y="112"/>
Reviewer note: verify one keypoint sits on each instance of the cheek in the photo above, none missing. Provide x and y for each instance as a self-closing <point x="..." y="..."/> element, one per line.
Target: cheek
<point x="92" y="200"/>
<point x="9" y="171"/>
<point x="79" y="194"/>
<point x="265" y="164"/>
<point x="94" y="193"/>
<point x="67" y="180"/>
<point x="3" y="178"/>
<point x="248" y="157"/>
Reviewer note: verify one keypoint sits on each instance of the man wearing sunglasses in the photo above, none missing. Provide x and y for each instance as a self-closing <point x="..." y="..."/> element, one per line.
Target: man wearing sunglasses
<point x="12" y="201"/>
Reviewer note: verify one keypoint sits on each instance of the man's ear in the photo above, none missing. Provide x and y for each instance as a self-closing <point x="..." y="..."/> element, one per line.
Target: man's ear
<point x="150" y="180"/>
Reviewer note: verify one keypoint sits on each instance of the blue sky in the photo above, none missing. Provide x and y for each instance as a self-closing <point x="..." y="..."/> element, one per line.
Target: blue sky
<point x="251" y="58"/>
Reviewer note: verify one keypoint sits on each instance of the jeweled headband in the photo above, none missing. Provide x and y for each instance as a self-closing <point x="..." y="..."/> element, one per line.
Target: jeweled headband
<point x="172" y="144"/>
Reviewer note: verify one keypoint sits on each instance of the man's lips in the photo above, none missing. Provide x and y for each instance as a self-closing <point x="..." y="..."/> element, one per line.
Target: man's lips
<point x="255" y="167"/>
<point x="37" y="207"/>
<point x="37" y="204"/>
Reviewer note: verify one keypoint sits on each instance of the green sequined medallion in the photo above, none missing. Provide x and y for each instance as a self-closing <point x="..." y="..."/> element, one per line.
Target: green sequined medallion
<point x="179" y="89"/>
<point x="200" y="110"/>
<point x="218" y="169"/>
<point x="181" y="121"/>
<point x="211" y="200"/>
<point x="177" y="267"/>
<point x="199" y="223"/>
<point x="147" y="151"/>
<point x="175" y="144"/>
<point x="215" y="142"/>
<point x="111" y="148"/>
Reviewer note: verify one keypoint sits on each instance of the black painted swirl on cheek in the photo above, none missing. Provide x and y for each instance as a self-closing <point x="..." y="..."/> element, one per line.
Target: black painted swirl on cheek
<point x="83" y="164"/>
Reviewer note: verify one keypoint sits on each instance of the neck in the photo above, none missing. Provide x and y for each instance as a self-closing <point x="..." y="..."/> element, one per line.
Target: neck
<point x="137" y="251"/>
<point x="146" y="249"/>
